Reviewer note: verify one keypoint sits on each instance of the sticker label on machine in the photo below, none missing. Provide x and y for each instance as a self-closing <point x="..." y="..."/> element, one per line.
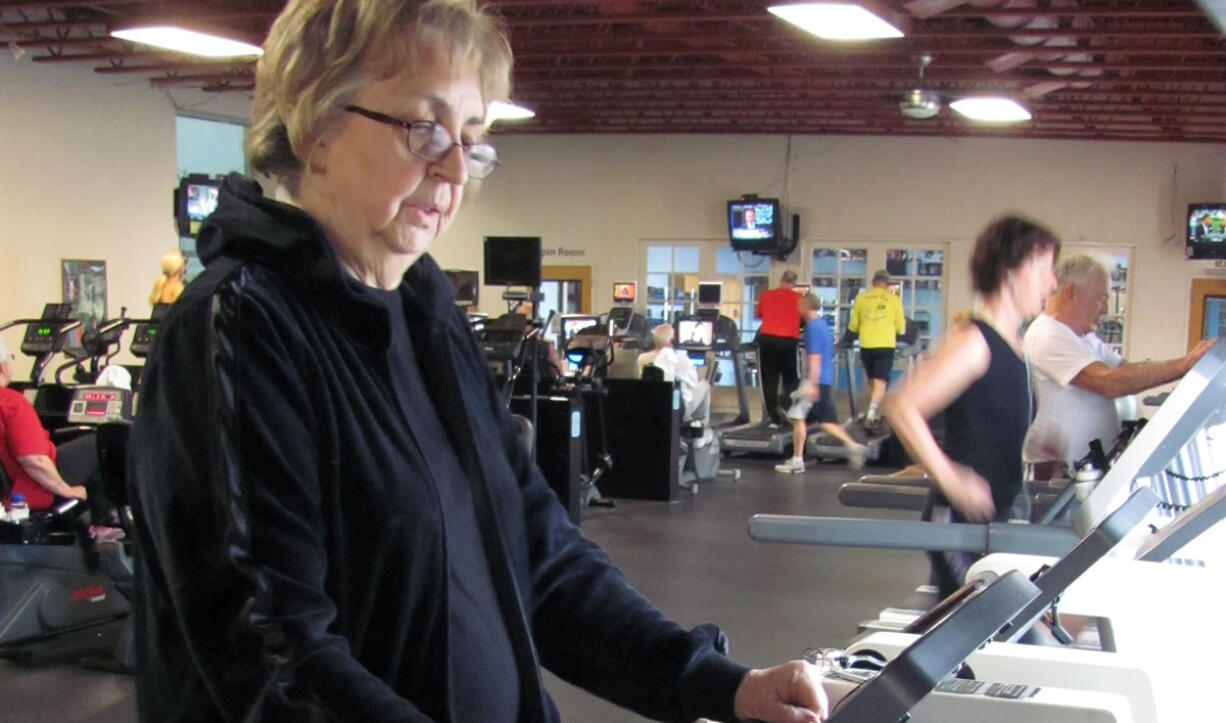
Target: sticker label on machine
<point x="987" y="689"/>
<point x="576" y="424"/>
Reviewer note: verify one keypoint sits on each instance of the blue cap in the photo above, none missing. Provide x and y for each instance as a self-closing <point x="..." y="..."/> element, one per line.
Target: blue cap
<point x="17" y="497"/>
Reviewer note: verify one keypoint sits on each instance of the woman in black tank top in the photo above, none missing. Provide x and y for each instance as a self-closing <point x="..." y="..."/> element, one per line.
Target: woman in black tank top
<point x="978" y="378"/>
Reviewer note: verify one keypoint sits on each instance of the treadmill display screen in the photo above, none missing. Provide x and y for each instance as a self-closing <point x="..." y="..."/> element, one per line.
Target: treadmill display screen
<point x="574" y="324"/>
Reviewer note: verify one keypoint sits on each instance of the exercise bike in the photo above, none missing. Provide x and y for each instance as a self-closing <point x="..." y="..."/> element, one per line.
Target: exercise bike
<point x="61" y="576"/>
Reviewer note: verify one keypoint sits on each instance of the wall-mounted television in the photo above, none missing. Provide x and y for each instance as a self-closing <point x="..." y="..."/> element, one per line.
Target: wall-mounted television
<point x="755" y="224"/>
<point x="467" y="285"/>
<point x="513" y="260"/>
<point x="623" y="292"/>
<point x="195" y="200"/>
<point x="1206" y="231"/>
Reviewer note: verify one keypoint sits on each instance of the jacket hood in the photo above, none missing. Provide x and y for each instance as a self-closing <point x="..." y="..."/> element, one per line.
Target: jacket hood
<point x="247" y="226"/>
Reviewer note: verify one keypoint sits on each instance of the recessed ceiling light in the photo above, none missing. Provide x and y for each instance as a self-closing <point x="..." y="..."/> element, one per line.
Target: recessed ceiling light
<point x="991" y="109"/>
<point x="502" y="111"/>
<point x="836" y="21"/>
<point x="188" y="41"/>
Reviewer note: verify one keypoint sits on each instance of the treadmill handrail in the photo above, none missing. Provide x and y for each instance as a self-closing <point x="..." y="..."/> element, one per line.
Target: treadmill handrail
<point x="1172" y="538"/>
<point x="912" y="535"/>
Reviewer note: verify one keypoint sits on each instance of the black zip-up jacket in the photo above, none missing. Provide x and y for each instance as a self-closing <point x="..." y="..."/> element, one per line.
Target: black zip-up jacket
<point x="292" y="559"/>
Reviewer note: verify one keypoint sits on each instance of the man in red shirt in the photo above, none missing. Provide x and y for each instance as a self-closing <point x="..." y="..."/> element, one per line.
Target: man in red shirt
<point x="26" y="451"/>
<point x="777" y="340"/>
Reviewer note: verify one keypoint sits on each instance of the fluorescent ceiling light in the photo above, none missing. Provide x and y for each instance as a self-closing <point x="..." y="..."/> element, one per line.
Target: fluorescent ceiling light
<point x="991" y="109"/>
<point x="501" y="111"/>
<point x="836" y="21"/>
<point x="188" y="41"/>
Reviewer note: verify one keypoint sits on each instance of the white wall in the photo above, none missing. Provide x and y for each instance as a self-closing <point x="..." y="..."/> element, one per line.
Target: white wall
<point x="87" y="167"/>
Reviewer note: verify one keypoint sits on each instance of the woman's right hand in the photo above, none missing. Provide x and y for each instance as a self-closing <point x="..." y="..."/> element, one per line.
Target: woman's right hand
<point x="78" y="492"/>
<point x="969" y="494"/>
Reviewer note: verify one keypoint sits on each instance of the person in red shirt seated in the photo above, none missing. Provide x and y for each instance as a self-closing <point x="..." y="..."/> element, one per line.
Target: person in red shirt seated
<point x="26" y="451"/>
<point x="777" y="340"/>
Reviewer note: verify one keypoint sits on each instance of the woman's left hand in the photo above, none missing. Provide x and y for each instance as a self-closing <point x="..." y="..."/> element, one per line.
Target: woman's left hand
<point x="788" y="693"/>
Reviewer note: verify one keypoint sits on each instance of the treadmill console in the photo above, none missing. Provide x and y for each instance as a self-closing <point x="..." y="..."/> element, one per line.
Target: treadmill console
<point x="918" y="670"/>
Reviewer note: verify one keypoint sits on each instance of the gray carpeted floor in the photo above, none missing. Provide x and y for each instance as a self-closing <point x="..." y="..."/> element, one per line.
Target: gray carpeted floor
<point x="692" y="558"/>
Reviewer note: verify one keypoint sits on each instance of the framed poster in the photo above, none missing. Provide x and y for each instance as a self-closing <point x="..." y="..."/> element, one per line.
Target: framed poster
<point x="84" y="284"/>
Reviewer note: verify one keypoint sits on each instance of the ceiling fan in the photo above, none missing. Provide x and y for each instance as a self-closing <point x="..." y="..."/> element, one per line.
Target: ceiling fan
<point x="921" y="102"/>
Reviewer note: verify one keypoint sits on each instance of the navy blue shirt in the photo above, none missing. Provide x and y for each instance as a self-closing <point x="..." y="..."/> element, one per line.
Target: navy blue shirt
<point x="482" y="663"/>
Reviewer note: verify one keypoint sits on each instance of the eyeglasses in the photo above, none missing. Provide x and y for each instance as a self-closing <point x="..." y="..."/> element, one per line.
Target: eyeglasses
<point x="432" y="142"/>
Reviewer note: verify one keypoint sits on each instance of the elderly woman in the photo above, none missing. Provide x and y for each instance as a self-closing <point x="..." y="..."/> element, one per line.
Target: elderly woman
<point x="978" y="377"/>
<point x="336" y="517"/>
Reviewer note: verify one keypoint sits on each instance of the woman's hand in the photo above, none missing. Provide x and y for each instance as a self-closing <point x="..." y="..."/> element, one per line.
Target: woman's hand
<point x="788" y="693"/>
<point x="79" y="492"/>
<point x="968" y="493"/>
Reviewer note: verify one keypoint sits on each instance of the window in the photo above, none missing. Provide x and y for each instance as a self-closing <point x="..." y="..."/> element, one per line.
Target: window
<point x="838" y="276"/>
<point x="1112" y="327"/>
<point x="672" y="281"/>
<point x="212" y="148"/>
<point x="745" y="277"/>
<point x="916" y="276"/>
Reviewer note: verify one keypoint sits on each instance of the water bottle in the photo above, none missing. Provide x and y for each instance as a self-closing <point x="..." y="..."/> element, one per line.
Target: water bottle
<point x="18" y="509"/>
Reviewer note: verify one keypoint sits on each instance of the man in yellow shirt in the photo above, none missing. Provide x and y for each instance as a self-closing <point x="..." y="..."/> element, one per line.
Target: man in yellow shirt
<point x="878" y="318"/>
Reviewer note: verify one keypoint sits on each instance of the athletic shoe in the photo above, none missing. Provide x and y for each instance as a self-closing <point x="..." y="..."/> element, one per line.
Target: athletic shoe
<point x="792" y="466"/>
<point x="855" y="456"/>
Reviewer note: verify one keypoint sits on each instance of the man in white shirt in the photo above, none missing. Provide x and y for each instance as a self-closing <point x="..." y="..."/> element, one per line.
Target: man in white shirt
<point x="1076" y="375"/>
<point x="676" y="365"/>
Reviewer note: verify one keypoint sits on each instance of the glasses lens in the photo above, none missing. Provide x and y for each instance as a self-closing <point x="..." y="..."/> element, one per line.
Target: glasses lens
<point x="429" y="140"/>
<point x="482" y="160"/>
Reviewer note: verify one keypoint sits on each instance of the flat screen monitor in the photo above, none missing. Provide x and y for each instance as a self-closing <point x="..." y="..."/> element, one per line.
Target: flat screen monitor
<point x="623" y="292"/>
<point x="709" y="292"/>
<point x="755" y="225"/>
<point x="695" y="332"/>
<point x="572" y="324"/>
<point x="195" y="200"/>
<point x="1206" y="231"/>
<point x="467" y="285"/>
<point x="513" y="260"/>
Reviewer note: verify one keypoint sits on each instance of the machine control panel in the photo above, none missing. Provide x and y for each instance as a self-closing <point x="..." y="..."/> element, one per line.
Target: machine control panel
<point x="97" y="405"/>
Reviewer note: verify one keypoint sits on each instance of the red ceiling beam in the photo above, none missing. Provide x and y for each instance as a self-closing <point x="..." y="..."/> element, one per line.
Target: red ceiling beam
<point x="59" y="4"/>
<point x="173" y="67"/>
<point x="200" y="79"/>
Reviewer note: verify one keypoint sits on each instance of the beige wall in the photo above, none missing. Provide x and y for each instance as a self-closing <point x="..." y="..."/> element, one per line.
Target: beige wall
<point x="87" y="166"/>
<point x="604" y="194"/>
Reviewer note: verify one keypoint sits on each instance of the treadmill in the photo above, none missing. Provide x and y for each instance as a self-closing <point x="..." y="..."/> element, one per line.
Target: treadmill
<point x="918" y="684"/>
<point x="1159" y="450"/>
<point x="759" y="436"/>
<point x="822" y="444"/>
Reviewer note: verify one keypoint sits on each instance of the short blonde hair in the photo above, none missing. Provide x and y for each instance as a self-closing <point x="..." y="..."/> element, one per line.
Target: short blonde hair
<point x="320" y="53"/>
